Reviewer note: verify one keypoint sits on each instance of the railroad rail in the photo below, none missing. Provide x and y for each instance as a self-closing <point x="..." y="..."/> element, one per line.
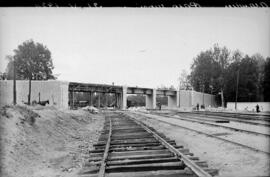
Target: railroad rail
<point x="222" y="118"/>
<point x="209" y="135"/>
<point x="128" y="147"/>
<point x="247" y="116"/>
<point x="255" y="121"/>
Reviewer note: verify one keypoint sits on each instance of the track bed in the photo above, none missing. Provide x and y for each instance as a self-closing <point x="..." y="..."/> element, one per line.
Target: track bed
<point x="128" y="147"/>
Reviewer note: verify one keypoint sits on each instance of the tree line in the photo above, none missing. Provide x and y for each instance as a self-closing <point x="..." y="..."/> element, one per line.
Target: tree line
<point x="231" y="74"/>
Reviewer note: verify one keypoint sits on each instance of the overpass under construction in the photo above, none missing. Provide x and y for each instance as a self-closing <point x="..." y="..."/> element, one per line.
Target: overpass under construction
<point x="63" y="94"/>
<point x="121" y="92"/>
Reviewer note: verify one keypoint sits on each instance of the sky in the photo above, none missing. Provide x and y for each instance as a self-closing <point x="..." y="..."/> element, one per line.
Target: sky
<point x="146" y="47"/>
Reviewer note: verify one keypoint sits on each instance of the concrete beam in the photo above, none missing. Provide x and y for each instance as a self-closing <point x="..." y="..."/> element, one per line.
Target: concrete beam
<point x="134" y="90"/>
<point x="100" y="88"/>
<point x="167" y="92"/>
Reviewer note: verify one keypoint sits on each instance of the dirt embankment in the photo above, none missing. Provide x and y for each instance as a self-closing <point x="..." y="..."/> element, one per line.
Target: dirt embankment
<point x="44" y="141"/>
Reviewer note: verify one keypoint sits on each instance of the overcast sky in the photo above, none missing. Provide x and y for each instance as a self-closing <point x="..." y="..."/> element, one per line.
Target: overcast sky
<point x="132" y="46"/>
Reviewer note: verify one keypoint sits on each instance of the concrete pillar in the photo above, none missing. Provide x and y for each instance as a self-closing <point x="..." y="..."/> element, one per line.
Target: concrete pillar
<point x="154" y="98"/>
<point x="191" y="98"/>
<point x="173" y="101"/>
<point x="98" y="100"/>
<point x="73" y="99"/>
<point x="150" y="100"/>
<point x="106" y="99"/>
<point x="90" y="98"/>
<point x="117" y="100"/>
<point x="124" y="97"/>
<point x="178" y="98"/>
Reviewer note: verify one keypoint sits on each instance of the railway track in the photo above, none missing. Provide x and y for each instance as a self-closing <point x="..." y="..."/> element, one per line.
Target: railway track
<point x="201" y="121"/>
<point x="209" y="135"/>
<point x="220" y="118"/>
<point x="127" y="147"/>
<point x="245" y="116"/>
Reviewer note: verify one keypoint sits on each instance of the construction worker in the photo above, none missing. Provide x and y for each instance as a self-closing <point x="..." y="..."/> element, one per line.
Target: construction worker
<point x="257" y="108"/>
<point x="159" y="105"/>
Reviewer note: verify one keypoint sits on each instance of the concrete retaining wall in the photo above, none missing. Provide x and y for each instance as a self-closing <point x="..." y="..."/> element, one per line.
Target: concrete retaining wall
<point x="249" y="106"/>
<point x="189" y="98"/>
<point x="54" y="91"/>
<point x="203" y="98"/>
<point x="185" y="98"/>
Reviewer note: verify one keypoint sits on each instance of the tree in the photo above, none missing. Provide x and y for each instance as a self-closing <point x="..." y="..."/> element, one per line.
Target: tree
<point x="248" y="79"/>
<point x="232" y="77"/>
<point x="201" y="71"/>
<point x="209" y="69"/>
<point x="222" y="60"/>
<point x="259" y="59"/>
<point x="184" y="81"/>
<point x="248" y="83"/>
<point x="136" y="100"/>
<point x="230" y="74"/>
<point x="266" y="82"/>
<point x="32" y="61"/>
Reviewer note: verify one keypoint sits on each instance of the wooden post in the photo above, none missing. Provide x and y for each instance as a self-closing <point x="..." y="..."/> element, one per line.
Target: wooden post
<point x="72" y="99"/>
<point x="236" y="93"/>
<point x="203" y="96"/>
<point x="29" y="95"/>
<point x="106" y="100"/>
<point x="14" y="83"/>
<point x="98" y="100"/>
<point x="90" y="98"/>
<point x="116" y="101"/>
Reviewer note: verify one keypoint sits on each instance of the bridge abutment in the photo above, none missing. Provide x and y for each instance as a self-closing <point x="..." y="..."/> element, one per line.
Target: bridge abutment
<point x="173" y="101"/>
<point x="150" y="100"/>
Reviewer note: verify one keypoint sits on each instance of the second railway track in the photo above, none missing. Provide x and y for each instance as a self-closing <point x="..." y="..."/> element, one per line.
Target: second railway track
<point x="220" y="117"/>
<point x="238" y="143"/>
<point x="128" y="147"/>
<point x="201" y="121"/>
